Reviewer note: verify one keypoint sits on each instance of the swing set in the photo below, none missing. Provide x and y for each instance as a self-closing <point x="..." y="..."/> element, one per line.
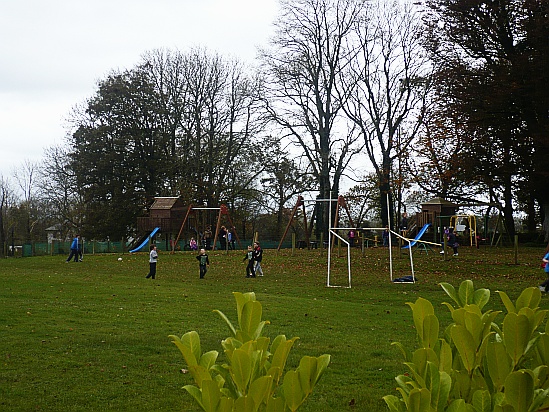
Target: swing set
<point x="308" y="226"/>
<point x="223" y="211"/>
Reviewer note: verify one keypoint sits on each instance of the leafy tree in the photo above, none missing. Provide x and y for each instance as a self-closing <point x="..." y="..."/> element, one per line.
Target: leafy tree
<point x="492" y="59"/>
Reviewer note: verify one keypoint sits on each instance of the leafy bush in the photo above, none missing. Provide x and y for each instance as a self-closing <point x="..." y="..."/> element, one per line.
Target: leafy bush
<point x="478" y="365"/>
<point x="250" y="381"/>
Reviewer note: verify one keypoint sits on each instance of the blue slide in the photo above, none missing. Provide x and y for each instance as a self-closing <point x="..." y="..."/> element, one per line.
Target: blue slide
<point x="142" y="245"/>
<point x="418" y="236"/>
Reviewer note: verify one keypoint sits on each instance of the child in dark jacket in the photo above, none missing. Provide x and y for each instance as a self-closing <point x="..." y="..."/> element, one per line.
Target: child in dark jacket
<point x="204" y="262"/>
<point x="250" y="269"/>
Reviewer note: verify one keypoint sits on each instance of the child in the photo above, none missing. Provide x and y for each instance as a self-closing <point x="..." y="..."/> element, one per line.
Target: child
<point x="204" y="262"/>
<point x="153" y="256"/>
<point x="192" y="244"/>
<point x="452" y="240"/>
<point x="258" y="257"/>
<point x="250" y="271"/>
<point x="543" y="286"/>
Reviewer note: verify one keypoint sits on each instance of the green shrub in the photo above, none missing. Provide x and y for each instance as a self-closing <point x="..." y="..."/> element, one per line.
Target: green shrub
<point x="478" y="365"/>
<point x="251" y="380"/>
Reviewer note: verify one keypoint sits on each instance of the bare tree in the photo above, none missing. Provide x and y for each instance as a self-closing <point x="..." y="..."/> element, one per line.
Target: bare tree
<point x="6" y="195"/>
<point x="304" y="65"/>
<point x="389" y="76"/>
<point x="26" y="177"/>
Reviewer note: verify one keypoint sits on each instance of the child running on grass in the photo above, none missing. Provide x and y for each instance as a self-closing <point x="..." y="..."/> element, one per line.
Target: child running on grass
<point x="204" y="262"/>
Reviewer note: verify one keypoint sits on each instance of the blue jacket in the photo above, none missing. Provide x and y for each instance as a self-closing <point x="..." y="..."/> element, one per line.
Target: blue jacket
<point x="74" y="244"/>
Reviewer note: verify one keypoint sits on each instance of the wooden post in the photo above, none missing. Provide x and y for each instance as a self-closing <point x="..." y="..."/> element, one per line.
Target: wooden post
<point x="293" y="243"/>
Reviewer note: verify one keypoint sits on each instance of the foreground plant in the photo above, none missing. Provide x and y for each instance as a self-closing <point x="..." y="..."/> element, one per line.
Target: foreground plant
<point x="254" y="378"/>
<point x="478" y="365"/>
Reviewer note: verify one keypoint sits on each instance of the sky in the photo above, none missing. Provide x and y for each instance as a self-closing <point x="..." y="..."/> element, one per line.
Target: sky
<point x="53" y="52"/>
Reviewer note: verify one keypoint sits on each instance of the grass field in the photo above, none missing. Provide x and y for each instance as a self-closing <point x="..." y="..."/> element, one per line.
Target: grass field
<point x="93" y="336"/>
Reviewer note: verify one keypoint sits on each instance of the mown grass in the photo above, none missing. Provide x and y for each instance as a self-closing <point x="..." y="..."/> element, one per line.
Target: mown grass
<point x="93" y="336"/>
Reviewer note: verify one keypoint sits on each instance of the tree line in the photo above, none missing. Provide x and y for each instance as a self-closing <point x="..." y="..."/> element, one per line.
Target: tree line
<point x="443" y="98"/>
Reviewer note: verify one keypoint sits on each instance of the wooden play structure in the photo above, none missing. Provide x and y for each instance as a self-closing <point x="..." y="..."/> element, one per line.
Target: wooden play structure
<point x="223" y="212"/>
<point x="466" y="227"/>
<point x="308" y="226"/>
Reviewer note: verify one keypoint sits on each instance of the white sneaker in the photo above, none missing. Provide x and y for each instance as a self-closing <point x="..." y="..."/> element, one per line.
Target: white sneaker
<point x="442" y="252"/>
<point x="456" y="254"/>
<point x="542" y="288"/>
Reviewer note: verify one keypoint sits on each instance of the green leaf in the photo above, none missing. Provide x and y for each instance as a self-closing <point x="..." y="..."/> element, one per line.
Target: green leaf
<point x="207" y="360"/>
<point x="516" y="335"/>
<point x="419" y="400"/>
<point x="466" y="291"/>
<point x="280" y="356"/>
<point x="405" y="352"/>
<point x="529" y="298"/>
<point x="507" y="302"/>
<point x="275" y="405"/>
<point x="226" y="404"/>
<point x="293" y="394"/>
<point x="482" y="401"/>
<point x="189" y="345"/>
<point x="210" y="396"/>
<point x="499" y="364"/>
<point x="458" y="405"/>
<point x="481" y="297"/>
<point x="227" y="321"/>
<point x="465" y="344"/>
<point x="250" y="320"/>
<point x="260" y="389"/>
<point x="394" y="404"/>
<point x="519" y="390"/>
<point x="420" y="309"/>
<point x="445" y="357"/>
<point x="241" y="369"/>
<point x="451" y="291"/>
<point x="241" y="300"/>
<point x="430" y="331"/>
<point x="542" y="348"/>
<point x="245" y="404"/>
<point x="195" y="393"/>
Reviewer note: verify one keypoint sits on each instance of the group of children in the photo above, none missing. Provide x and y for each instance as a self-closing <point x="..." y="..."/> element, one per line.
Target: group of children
<point x="254" y="256"/>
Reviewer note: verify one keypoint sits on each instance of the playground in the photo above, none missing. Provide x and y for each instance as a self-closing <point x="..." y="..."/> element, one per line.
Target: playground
<point x="93" y="336"/>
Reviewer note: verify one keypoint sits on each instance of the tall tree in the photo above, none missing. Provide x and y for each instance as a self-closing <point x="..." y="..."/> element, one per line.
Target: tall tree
<point x="304" y="66"/>
<point x="493" y="58"/>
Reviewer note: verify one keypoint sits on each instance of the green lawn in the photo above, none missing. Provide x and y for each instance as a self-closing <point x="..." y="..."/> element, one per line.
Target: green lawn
<point x="93" y="336"/>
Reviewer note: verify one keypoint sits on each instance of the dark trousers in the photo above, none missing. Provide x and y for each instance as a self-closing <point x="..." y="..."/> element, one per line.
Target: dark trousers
<point x="152" y="270"/>
<point x="250" y="269"/>
<point x="203" y="270"/>
<point x="74" y="252"/>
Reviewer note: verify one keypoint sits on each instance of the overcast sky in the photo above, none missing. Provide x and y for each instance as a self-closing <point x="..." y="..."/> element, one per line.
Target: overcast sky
<point x="52" y="53"/>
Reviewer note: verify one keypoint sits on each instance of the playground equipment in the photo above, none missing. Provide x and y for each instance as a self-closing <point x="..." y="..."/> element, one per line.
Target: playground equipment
<point x="465" y="226"/>
<point x="146" y="239"/>
<point x="301" y="204"/>
<point x="423" y="245"/>
<point x="223" y="212"/>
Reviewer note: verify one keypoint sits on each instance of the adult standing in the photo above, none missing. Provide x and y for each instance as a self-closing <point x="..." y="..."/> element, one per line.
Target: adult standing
<point x="404" y="224"/>
<point x="223" y="237"/>
<point x="258" y="257"/>
<point x="153" y="257"/>
<point x="74" y="249"/>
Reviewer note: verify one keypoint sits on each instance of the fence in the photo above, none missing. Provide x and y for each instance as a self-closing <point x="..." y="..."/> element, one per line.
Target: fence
<point x="99" y="247"/>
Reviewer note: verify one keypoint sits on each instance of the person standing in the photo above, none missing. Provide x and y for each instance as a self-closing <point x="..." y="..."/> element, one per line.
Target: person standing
<point x="404" y="224"/>
<point x="258" y="257"/>
<point x="250" y="270"/>
<point x="153" y="257"/>
<point x="223" y="237"/>
<point x="193" y="245"/>
<point x="545" y="260"/>
<point x="233" y="237"/>
<point x="351" y="236"/>
<point x="74" y="249"/>
<point x="203" y="262"/>
<point x="385" y="235"/>
<point x="452" y="240"/>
